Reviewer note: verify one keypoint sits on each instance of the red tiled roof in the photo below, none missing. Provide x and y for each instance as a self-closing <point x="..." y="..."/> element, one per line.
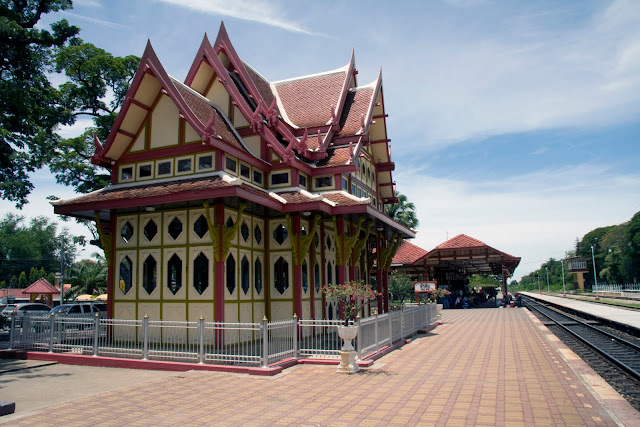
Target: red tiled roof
<point x="204" y="111"/>
<point x="341" y="199"/>
<point x="15" y="292"/>
<point x="41" y="286"/>
<point x="356" y="104"/>
<point x="293" y="197"/>
<point x="337" y="157"/>
<point x="308" y="101"/>
<point x="147" y="190"/>
<point x="408" y="253"/>
<point x="263" y="86"/>
<point x="461" y="241"/>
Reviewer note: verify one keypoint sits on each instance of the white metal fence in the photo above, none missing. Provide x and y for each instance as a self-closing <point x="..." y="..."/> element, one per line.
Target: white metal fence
<point x="629" y="289"/>
<point x="248" y="344"/>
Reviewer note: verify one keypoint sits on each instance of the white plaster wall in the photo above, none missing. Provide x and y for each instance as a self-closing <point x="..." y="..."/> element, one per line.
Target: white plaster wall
<point x="164" y="124"/>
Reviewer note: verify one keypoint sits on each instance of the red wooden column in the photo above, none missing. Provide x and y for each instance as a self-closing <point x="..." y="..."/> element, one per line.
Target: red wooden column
<point x="111" y="270"/>
<point x="352" y="264"/>
<point x="218" y="277"/>
<point x="312" y="278"/>
<point x="342" y="270"/>
<point x="323" y="270"/>
<point x="297" y="267"/>
<point x="379" y="284"/>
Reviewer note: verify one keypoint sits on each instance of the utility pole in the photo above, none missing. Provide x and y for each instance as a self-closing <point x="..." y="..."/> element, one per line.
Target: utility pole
<point x="548" y="291"/>
<point x="564" y="293"/>
<point x="61" y="269"/>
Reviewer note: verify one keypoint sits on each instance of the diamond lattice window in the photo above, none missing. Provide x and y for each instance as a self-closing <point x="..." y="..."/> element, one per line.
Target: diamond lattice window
<point x="201" y="273"/>
<point x="175" y="228"/>
<point x="280" y="234"/>
<point x="244" y="231"/>
<point x="257" y="275"/>
<point x="245" y="281"/>
<point x="126" y="275"/>
<point x="126" y="232"/>
<point x="149" y="274"/>
<point x="150" y="230"/>
<point x="174" y="278"/>
<point x="200" y="227"/>
<point x="281" y="275"/>
<point x="231" y="273"/>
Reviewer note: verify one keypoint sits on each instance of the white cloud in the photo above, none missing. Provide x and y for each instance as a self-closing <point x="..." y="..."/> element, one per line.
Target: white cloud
<point x="86" y="3"/>
<point x="528" y="74"/>
<point x="260" y="11"/>
<point x="97" y="21"/>
<point x="535" y="216"/>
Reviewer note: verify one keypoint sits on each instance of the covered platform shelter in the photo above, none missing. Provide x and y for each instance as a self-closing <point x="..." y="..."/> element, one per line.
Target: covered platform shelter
<point x="451" y="263"/>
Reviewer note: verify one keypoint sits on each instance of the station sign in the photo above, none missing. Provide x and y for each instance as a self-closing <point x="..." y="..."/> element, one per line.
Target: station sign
<point x="425" y="286"/>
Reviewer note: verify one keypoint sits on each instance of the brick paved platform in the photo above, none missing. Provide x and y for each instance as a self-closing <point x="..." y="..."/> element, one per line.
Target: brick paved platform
<point x="450" y="376"/>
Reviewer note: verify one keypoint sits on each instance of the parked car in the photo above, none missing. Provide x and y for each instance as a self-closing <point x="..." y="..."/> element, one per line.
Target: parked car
<point x="80" y="310"/>
<point x="21" y="310"/>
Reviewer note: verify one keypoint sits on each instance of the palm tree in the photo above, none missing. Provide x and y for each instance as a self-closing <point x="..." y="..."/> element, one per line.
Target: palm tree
<point x="403" y="212"/>
<point x="89" y="276"/>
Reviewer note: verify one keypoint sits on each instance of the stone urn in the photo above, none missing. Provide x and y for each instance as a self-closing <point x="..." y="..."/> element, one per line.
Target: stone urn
<point x="348" y="363"/>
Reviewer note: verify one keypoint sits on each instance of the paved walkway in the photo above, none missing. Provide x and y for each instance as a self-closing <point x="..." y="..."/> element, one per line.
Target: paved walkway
<point x="450" y="376"/>
<point x="620" y="315"/>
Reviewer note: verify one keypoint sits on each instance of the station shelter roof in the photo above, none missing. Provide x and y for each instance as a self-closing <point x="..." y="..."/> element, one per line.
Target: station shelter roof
<point x="460" y="256"/>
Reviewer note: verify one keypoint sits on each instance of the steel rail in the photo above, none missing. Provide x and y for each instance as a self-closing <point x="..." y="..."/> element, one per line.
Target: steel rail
<point x="624" y="344"/>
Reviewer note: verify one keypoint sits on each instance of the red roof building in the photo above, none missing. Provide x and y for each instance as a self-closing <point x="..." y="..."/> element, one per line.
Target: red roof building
<point x="234" y="197"/>
<point x="452" y="262"/>
<point x="41" y="287"/>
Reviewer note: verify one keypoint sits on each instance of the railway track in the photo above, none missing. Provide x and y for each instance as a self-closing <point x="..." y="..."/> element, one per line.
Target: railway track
<point x="614" y="357"/>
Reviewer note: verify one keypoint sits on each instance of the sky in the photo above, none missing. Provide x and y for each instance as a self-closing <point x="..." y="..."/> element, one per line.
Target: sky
<point x="514" y="122"/>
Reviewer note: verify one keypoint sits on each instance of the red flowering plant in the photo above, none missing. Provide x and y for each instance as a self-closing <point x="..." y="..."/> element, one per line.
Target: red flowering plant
<point x="351" y="296"/>
<point x="434" y="294"/>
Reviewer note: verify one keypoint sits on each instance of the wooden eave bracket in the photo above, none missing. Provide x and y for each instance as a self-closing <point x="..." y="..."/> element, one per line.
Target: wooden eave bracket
<point x="386" y="167"/>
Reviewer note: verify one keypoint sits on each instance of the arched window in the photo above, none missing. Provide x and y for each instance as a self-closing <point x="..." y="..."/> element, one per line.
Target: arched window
<point x="281" y="275"/>
<point x="149" y="274"/>
<point x="245" y="281"/>
<point x="174" y="278"/>
<point x="201" y="273"/>
<point x="231" y="273"/>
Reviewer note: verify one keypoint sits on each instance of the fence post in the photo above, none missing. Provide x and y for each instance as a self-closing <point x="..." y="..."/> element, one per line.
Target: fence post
<point x="11" y="337"/>
<point x="264" y="326"/>
<point x="375" y="333"/>
<point x="359" y="338"/>
<point x="145" y="337"/>
<point x="201" y="334"/>
<point x="295" y="336"/>
<point x="96" y="333"/>
<point x="52" y="323"/>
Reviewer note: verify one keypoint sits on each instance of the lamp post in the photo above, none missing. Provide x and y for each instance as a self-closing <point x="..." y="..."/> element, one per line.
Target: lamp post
<point x="548" y="291"/>
<point x="564" y="294"/>
<point x="595" y="280"/>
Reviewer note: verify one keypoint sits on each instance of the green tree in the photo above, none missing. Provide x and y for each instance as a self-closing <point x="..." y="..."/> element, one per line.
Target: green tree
<point x="31" y="107"/>
<point x="94" y="75"/>
<point x="13" y="282"/>
<point x="36" y="245"/>
<point x="400" y="286"/>
<point x="633" y="243"/>
<point x="34" y="275"/>
<point x="89" y="276"/>
<point x="22" y="280"/>
<point x="403" y="212"/>
<point x="484" y="280"/>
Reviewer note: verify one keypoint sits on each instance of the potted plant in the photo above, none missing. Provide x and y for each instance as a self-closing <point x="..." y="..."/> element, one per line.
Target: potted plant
<point x="350" y="297"/>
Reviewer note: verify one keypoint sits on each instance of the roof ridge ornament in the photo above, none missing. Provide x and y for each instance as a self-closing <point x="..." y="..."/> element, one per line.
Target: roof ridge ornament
<point x="272" y="113"/>
<point x="209" y="128"/>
